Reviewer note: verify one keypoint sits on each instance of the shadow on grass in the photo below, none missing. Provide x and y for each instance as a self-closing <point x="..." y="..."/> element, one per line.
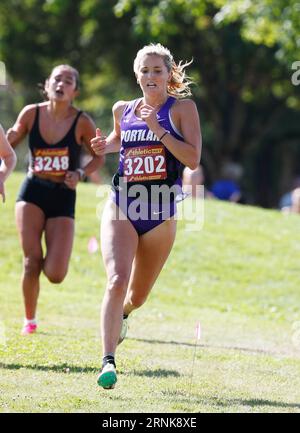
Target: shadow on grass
<point x="65" y="368"/>
<point x="191" y="397"/>
<point x="178" y="343"/>
<point x="208" y="346"/>
<point x="254" y="402"/>
<point x="62" y="368"/>
<point x="155" y="373"/>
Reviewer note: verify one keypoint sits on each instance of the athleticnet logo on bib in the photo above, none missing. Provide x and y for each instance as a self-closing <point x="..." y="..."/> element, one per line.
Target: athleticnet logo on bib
<point x="51" y="161"/>
<point x="145" y="163"/>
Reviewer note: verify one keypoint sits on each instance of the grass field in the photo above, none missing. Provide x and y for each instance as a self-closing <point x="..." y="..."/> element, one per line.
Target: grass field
<point x="239" y="276"/>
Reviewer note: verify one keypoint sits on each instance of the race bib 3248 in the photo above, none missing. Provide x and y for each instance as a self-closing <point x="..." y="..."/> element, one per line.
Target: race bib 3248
<point x="51" y="161"/>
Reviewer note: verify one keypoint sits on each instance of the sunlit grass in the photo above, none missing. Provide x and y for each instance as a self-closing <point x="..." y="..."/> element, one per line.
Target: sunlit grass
<point x="238" y="276"/>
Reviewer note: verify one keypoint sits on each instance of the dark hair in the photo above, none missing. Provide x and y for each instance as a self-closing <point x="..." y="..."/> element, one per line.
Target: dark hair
<point x="41" y="86"/>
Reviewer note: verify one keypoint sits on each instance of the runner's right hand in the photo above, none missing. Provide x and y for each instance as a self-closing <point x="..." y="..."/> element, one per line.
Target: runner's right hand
<point x="98" y="143"/>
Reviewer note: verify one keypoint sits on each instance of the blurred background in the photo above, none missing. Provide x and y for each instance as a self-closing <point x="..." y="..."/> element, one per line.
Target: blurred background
<point x="246" y="70"/>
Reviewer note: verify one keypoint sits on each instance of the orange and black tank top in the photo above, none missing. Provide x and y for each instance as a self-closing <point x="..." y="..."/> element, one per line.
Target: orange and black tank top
<point x="53" y="159"/>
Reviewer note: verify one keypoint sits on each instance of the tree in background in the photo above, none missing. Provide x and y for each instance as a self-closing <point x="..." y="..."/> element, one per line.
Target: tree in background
<point x="38" y="34"/>
<point x="243" y="53"/>
<point x="274" y="23"/>
<point x="242" y="58"/>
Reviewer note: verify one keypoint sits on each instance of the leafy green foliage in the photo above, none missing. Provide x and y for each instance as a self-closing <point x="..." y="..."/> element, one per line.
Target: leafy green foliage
<point x="273" y="23"/>
<point x="243" y="53"/>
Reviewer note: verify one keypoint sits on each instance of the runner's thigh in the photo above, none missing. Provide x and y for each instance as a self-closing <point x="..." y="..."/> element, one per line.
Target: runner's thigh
<point x="59" y="234"/>
<point x="30" y="222"/>
<point x="119" y="242"/>
<point x="153" y="250"/>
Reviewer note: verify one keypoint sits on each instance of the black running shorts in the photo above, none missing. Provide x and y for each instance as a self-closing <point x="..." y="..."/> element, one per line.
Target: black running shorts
<point x="54" y="199"/>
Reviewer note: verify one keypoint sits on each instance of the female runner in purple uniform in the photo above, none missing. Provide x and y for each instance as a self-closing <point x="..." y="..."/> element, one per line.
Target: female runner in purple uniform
<point x="155" y="135"/>
<point x="46" y="201"/>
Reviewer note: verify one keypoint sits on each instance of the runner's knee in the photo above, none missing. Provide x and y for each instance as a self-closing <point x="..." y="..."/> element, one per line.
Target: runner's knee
<point x="32" y="265"/>
<point x="136" y="300"/>
<point x="118" y="283"/>
<point x="55" y="276"/>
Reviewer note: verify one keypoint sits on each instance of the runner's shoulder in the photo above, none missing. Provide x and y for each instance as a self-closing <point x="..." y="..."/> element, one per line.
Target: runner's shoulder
<point x="185" y="104"/>
<point x="118" y="108"/>
<point x="26" y="117"/>
<point x="84" y="119"/>
<point x="28" y="111"/>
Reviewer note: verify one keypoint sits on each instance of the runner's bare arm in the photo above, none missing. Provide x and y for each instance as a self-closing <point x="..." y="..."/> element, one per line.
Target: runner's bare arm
<point x="88" y="130"/>
<point x="103" y="145"/>
<point x="22" y="126"/>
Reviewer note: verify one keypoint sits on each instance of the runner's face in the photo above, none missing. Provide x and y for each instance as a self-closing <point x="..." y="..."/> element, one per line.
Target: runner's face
<point x="153" y="75"/>
<point x="61" y="85"/>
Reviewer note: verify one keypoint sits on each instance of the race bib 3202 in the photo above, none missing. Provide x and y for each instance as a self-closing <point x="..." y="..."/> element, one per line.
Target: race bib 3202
<point x="145" y="163"/>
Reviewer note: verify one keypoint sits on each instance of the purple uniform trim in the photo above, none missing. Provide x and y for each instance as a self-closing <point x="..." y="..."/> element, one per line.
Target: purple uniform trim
<point x="146" y="212"/>
<point x="135" y="133"/>
<point x="144" y="216"/>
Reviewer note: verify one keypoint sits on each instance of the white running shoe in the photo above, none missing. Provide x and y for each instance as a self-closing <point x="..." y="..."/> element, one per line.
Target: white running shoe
<point x="124" y="330"/>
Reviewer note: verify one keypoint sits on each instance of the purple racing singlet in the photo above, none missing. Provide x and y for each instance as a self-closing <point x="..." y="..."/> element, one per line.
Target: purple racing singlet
<point x="148" y="178"/>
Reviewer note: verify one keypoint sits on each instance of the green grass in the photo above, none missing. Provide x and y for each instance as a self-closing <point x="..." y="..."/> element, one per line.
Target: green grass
<point x="239" y="276"/>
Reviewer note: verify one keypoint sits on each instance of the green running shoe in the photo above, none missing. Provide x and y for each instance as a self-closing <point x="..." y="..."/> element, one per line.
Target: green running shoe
<point x="107" y="377"/>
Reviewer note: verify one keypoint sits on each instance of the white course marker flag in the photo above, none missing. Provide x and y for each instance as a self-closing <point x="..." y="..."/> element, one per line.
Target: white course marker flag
<point x="198" y="336"/>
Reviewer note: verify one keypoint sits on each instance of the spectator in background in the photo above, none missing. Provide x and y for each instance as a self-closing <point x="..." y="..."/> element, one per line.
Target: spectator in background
<point x="295" y="208"/>
<point x="295" y="202"/>
<point x="227" y="188"/>
<point x="286" y="201"/>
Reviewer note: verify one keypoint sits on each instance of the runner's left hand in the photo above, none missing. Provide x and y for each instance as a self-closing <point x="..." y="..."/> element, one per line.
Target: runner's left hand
<point x="149" y="115"/>
<point x="72" y="179"/>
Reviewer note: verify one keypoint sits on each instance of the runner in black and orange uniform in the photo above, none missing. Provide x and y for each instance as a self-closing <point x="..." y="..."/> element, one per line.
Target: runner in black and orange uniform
<point x="46" y="201"/>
